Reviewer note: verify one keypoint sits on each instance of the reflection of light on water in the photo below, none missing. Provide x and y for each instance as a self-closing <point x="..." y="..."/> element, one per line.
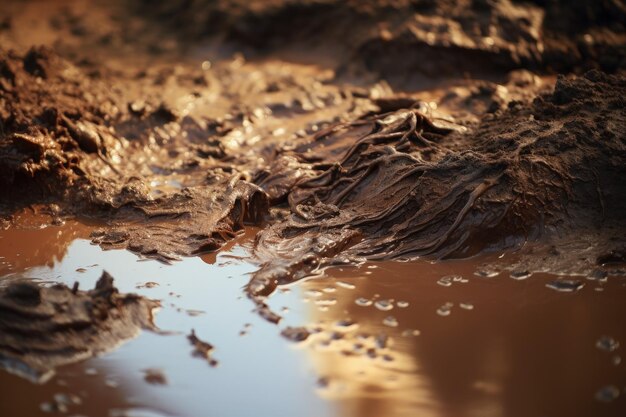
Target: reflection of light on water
<point x="365" y="367"/>
<point x="508" y="347"/>
<point x="259" y="366"/>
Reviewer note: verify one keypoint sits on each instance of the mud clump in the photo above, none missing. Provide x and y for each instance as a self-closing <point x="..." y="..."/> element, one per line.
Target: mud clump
<point x="394" y="186"/>
<point x="42" y="328"/>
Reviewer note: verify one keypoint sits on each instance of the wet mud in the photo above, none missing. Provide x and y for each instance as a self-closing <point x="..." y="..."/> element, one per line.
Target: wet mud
<point x="345" y="132"/>
<point x="46" y="327"/>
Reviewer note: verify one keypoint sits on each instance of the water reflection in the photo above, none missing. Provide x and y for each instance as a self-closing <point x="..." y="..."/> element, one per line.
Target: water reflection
<point x="375" y="344"/>
<point x="504" y="347"/>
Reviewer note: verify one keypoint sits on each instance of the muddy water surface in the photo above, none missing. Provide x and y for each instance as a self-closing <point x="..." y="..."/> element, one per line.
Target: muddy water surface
<point x="390" y="338"/>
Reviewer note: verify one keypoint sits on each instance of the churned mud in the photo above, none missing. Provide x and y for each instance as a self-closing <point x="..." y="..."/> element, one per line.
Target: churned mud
<point x="43" y="328"/>
<point x="346" y="132"/>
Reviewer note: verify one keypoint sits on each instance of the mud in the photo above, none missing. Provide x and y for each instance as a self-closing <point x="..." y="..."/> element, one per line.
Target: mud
<point x="46" y="327"/>
<point x="347" y="131"/>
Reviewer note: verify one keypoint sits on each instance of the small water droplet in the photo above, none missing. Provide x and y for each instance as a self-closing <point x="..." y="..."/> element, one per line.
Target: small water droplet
<point x="384" y="305"/>
<point x="520" y="275"/>
<point x="91" y="371"/>
<point x="314" y="293"/>
<point x="565" y="285"/>
<point x="598" y="275"/>
<point x="402" y="304"/>
<point x="346" y="325"/>
<point x="607" y="344"/>
<point x="390" y="321"/>
<point x="445" y="309"/>
<point x="607" y="394"/>
<point x="363" y="302"/>
<point x="466" y="306"/>
<point x="487" y="273"/>
<point x="326" y="302"/>
<point x="445" y="281"/>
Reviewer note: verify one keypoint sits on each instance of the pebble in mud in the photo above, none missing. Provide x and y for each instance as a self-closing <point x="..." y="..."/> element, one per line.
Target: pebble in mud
<point x="565" y="285"/>
<point x="607" y="393"/>
<point x="607" y="344"/>
<point x="296" y="334"/>
<point x="154" y="376"/>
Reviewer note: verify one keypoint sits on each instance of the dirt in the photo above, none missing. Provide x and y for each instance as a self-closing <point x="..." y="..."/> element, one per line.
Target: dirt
<point x="347" y="131"/>
<point x="42" y="328"/>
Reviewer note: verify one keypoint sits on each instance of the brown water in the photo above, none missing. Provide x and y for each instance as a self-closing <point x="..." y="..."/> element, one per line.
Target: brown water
<point x="386" y="339"/>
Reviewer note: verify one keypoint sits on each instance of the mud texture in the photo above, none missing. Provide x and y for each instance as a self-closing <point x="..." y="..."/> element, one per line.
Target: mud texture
<point x="349" y="130"/>
<point x="42" y="328"/>
<point x="395" y="186"/>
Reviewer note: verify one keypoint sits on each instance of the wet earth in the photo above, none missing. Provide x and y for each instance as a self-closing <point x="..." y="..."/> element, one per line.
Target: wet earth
<point x="312" y="208"/>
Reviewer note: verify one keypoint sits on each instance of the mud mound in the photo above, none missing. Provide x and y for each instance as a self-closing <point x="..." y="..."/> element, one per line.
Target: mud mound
<point x="43" y="328"/>
<point x="394" y="186"/>
<point x="430" y="37"/>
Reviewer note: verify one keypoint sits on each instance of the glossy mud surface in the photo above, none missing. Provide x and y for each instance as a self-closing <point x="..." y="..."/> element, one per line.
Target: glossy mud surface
<point x="384" y="338"/>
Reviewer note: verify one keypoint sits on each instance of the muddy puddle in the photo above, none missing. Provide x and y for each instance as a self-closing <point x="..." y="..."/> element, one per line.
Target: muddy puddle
<point x="312" y="208"/>
<point x="455" y="338"/>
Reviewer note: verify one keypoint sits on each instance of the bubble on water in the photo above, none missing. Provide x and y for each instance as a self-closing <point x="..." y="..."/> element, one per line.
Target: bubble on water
<point x="346" y="285"/>
<point x="598" y="275"/>
<point x="111" y="383"/>
<point x="402" y="304"/>
<point x="445" y="309"/>
<point x="326" y="302"/>
<point x="520" y="275"/>
<point x="409" y="332"/>
<point x="390" y="321"/>
<point x="346" y="325"/>
<point x="607" y="344"/>
<point x="363" y="302"/>
<point x="466" y="306"/>
<point x="314" y="293"/>
<point x="565" y="285"/>
<point x="382" y="340"/>
<point x="487" y="273"/>
<point x="607" y="394"/>
<point x="445" y="281"/>
<point x="91" y="371"/>
<point x="384" y="305"/>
